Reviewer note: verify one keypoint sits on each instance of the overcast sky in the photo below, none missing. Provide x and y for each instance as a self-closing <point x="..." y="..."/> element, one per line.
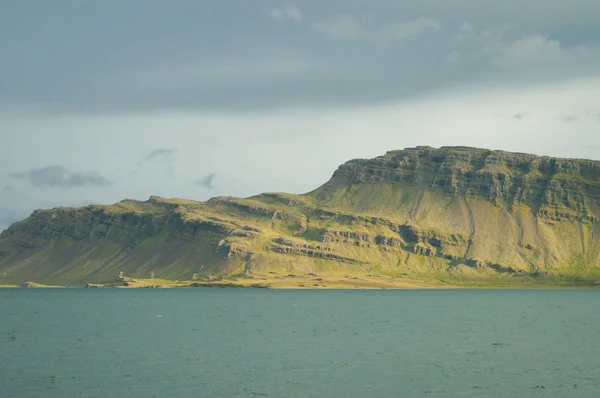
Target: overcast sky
<point x="113" y="99"/>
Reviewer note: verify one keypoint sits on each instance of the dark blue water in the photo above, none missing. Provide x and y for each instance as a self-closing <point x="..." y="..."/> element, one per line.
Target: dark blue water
<point x="299" y="343"/>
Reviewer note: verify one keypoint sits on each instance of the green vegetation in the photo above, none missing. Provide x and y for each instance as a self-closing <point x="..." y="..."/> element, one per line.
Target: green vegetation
<point x="421" y="217"/>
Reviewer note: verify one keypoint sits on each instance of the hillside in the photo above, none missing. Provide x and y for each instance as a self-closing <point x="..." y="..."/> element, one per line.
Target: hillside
<point x="453" y="214"/>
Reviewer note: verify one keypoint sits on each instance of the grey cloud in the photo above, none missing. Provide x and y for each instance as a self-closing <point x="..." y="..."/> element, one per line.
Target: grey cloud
<point x="287" y="12"/>
<point x="60" y="177"/>
<point x="207" y="181"/>
<point x="415" y="28"/>
<point x="342" y="26"/>
<point x="593" y="115"/>
<point x="512" y="53"/>
<point x="188" y="71"/>
<point x="8" y="188"/>
<point x="394" y="52"/>
<point x="161" y="155"/>
<point x="531" y="49"/>
<point x="520" y="116"/>
<point x="569" y="118"/>
<point x="594" y="146"/>
<point x="347" y="26"/>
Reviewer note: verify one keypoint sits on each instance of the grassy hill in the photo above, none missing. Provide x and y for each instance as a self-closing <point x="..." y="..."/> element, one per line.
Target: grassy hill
<point x="454" y="215"/>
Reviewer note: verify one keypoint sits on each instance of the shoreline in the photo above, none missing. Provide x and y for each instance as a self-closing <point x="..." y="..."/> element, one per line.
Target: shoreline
<point x="327" y="282"/>
<point x="441" y="287"/>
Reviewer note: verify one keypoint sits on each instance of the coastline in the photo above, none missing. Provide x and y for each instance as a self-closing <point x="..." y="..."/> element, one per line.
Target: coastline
<point x="328" y="281"/>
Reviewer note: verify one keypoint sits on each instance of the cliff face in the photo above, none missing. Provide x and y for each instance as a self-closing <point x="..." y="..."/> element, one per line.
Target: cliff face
<point x="437" y="213"/>
<point x="550" y="185"/>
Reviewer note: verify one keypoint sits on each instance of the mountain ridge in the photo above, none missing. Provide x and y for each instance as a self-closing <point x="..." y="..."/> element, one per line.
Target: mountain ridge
<point x="449" y="213"/>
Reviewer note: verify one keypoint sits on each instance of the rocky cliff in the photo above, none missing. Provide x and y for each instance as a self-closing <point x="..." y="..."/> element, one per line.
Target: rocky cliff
<point x="452" y="212"/>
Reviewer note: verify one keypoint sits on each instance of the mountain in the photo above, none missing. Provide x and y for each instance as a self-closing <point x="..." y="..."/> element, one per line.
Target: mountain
<point x="453" y="214"/>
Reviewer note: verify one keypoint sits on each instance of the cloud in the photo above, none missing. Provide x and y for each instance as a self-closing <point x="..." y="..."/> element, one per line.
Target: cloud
<point x="417" y="27"/>
<point x="207" y="181"/>
<point x="530" y="49"/>
<point x="342" y="26"/>
<point x="348" y="26"/>
<point x="522" y="53"/>
<point x="194" y="64"/>
<point x="569" y="118"/>
<point x="287" y="12"/>
<point x="594" y="146"/>
<point x="60" y="177"/>
<point x="201" y="75"/>
<point x="465" y="32"/>
<point x="8" y="188"/>
<point x="520" y="116"/>
<point x="161" y="155"/>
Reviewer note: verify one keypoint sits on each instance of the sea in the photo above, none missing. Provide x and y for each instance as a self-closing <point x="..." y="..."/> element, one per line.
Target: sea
<point x="203" y="342"/>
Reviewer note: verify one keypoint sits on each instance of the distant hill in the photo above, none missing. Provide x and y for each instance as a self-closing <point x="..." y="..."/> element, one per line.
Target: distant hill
<point x="453" y="213"/>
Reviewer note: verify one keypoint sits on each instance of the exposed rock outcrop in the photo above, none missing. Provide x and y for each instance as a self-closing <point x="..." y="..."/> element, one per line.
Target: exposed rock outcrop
<point x="498" y="176"/>
<point x="313" y="253"/>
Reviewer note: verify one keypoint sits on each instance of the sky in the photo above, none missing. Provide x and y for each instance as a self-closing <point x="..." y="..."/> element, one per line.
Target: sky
<point x="106" y="100"/>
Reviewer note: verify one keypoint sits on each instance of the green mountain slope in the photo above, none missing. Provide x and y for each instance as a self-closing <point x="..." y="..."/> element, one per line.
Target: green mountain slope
<point x="452" y="213"/>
